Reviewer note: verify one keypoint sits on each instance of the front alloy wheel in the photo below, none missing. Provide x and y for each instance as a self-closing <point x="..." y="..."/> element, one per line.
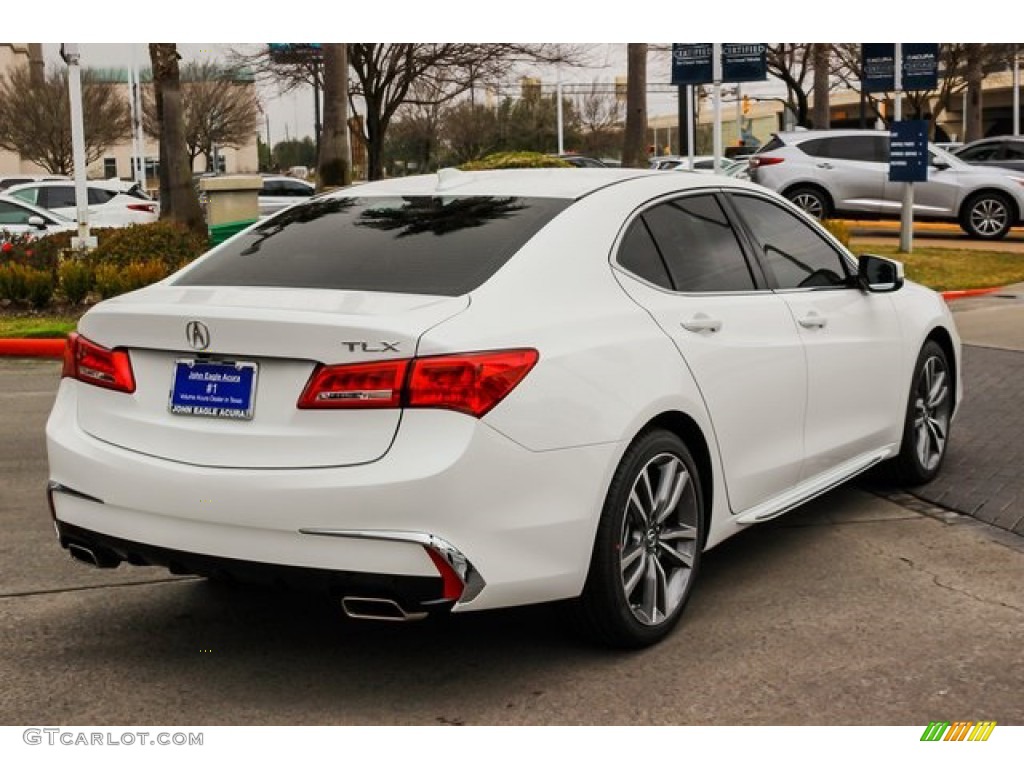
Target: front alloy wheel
<point x="988" y="217"/>
<point x="648" y="545"/>
<point x="928" y="417"/>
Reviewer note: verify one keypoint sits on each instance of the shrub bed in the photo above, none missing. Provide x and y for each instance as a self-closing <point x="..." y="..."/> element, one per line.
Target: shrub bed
<point x="40" y="272"/>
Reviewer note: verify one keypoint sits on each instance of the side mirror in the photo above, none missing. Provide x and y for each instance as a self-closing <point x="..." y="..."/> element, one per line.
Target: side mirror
<point x="37" y="222"/>
<point x="939" y="165"/>
<point x="879" y="275"/>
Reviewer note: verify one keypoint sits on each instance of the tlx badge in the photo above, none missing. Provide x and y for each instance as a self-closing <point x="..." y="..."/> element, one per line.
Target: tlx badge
<point x="363" y="346"/>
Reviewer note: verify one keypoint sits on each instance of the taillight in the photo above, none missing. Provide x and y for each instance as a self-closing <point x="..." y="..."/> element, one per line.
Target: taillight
<point x="89" y="362"/>
<point x="472" y="383"/>
<point x="144" y="207"/>
<point x="363" y="385"/>
<point x="757" y="162"/>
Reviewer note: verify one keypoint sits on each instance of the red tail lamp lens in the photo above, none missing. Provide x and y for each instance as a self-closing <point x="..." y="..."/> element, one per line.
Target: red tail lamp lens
<point x="362" y="385"/>
<point x="88" y="362"/>
<point x="471" y="383"/>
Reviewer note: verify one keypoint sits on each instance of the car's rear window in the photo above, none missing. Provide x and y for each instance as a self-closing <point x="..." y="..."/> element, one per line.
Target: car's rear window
<point x="443" y="246"/>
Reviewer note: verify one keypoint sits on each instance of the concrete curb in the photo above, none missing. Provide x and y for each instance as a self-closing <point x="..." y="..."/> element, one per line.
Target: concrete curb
<point x="31" y="347"/>
<point x="970" y="292"/>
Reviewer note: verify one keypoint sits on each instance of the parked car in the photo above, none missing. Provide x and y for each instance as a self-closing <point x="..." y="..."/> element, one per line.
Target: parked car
<point x="846" y="172"/>
<point x="995" y="152"/>
<point x="701" y="163"/>
<point x="109" y="205"/>
<point x="581" y="161"/>
<point x="475" y="390"/>
<point x="279" y="192"/>
<point x="19" y="217"/>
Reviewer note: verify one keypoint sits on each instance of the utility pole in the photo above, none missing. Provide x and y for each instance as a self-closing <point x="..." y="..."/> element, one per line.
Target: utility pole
<point x="716" y="85"/>
<point x="71" y="54"/>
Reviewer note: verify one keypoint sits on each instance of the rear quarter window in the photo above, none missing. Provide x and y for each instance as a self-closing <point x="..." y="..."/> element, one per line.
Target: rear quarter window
<point x="442" y="246"/>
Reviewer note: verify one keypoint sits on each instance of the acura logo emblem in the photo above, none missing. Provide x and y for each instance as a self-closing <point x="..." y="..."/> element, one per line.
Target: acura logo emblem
<point x="197" y="334"/>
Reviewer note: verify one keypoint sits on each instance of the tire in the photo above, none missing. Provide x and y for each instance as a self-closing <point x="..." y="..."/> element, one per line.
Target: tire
<point x="926" y="425"/>
<point x="987" y="216"/>
<point x="811" y="201"/>
<point x="647" y="550"/>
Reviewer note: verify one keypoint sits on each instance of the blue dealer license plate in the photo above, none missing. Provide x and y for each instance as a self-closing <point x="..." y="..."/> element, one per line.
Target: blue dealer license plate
<point x="221" y="390"/>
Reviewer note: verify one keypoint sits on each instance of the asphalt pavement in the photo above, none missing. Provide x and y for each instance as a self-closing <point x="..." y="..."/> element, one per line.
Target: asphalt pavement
<point x="983" y="475"/>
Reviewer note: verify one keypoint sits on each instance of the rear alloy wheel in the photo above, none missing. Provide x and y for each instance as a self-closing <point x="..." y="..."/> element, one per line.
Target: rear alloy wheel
<point x="987" y="216"/>
<point x="811" y="201"/>
<point x="648" y="545"/>
<point x="929" y="412"/>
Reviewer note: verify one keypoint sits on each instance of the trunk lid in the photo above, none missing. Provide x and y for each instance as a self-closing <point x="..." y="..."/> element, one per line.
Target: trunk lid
<point x="284" y="333"/>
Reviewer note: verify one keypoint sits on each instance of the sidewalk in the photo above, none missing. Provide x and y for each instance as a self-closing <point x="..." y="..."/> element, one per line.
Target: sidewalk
<point x="983" y="475"/>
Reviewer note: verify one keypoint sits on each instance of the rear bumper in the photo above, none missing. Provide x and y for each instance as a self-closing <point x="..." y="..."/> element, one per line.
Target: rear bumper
<point x="524" y="520"/>
<point x="414" y="594"/>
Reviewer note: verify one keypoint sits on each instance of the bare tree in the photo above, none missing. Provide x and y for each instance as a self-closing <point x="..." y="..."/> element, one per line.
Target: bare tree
<point x="219" y="108"/>
<point x="822" y="70"/>
<point x="600" y="116"/>
<point x="390" y="75"/>
<point x="333" y="166"/>
<point x="974" y="75"/>
<point x="385" y="74"/>
<point x="178" y="200"/>
<point x="791" y="63"/>
<point x="634" y="151"/>
<point x="35" y="117"/>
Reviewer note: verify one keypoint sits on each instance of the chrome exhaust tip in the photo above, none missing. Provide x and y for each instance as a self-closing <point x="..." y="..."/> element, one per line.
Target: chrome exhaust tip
<point x="97" y="558"/>
<point x="378" y="609"/>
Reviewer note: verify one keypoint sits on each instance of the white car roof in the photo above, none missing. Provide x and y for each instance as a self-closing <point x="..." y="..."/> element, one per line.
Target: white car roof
<point x="566" y="183"/>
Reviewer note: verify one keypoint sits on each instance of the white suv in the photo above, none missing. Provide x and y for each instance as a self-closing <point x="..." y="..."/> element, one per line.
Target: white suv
<point x="847" y="172"/>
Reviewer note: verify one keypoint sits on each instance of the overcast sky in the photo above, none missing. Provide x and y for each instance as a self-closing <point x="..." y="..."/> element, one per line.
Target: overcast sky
<point x="291" y="114"/>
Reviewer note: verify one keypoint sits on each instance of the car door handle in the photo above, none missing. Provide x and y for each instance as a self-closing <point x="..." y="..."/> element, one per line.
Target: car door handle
<point x="701" y="323"/>
<point x="826" y="166"/>
<point x="813" y="320"/>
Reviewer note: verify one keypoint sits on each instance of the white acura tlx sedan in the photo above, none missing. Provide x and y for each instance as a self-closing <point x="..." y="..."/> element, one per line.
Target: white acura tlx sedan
<point x="476" y="390"/>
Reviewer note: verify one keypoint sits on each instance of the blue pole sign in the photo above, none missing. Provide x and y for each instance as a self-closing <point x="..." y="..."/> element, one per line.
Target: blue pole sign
<point x="908" y="151"/>
<point x="744" y="62"/>
<point x="920" y="67"/>
<point x="691" y="63"/>
<point x="877" y="66"/>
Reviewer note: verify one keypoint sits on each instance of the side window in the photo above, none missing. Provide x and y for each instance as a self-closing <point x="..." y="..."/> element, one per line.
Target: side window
<point x="816" y="147"/>
<point x="271" y="187"/>
<point x="863" y="148"/>
<point x="639" y="255"/>
<point x="1013" y="151"/>
<point x="699" y="246"/>
<point x="58" y="197"/>
<point x="794" y="253"/>
<point x="13" y="214"/>
<point x="984" y="152"/>
<point x="100" y="196"/>
<point x="29" y="194"/>
<point x="295" y="189"/>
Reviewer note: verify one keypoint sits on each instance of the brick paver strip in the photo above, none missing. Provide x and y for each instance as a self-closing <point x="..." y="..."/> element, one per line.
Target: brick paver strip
<point x="983" y="474"/>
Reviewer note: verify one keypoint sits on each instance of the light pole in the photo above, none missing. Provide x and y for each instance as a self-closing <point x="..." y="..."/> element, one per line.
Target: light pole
<point x="71" y="54"/>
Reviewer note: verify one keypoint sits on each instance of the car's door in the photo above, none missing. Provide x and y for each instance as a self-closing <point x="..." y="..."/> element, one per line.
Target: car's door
<point x="935" y="198"/>
<point x="851" y="338"/>
<point x="737" y="338"/>
<point x="59" y="198"/>
<point x="853" y="168"/>
<point x="14" y="219"/>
